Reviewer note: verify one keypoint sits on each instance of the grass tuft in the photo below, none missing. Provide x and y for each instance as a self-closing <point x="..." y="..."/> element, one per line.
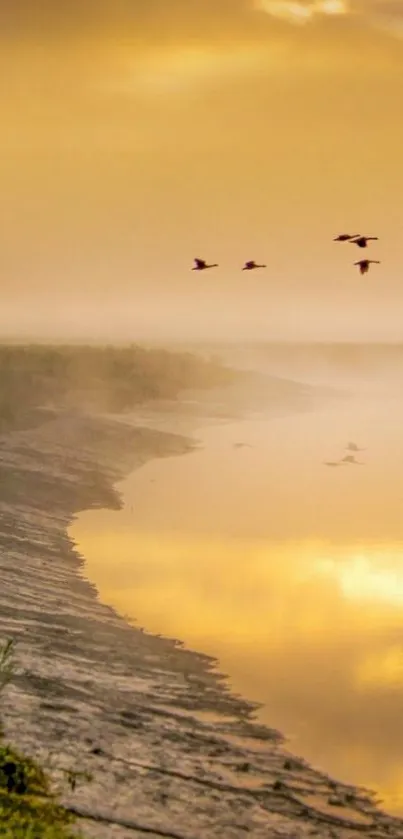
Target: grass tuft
<point x="6" y="663"/>
<point x="26" y="806"/>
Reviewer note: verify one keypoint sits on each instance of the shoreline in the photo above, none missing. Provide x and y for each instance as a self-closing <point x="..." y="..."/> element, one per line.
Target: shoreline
<point x="172" y="752"/>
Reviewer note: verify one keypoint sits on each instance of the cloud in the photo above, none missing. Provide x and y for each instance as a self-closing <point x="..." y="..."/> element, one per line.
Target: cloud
<point x="302" y="11"/>
<point x="386" y="14"/>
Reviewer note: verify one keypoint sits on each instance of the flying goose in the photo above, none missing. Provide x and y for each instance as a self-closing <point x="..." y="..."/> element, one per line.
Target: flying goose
<point x="362" y="241"/>
<point x="251" y="264"/>
<point x="365" y="263"/>
<point x="201" y="265"/>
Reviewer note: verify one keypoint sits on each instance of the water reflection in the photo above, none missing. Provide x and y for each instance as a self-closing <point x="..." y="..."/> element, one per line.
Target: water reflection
<point x="291" y="574"/>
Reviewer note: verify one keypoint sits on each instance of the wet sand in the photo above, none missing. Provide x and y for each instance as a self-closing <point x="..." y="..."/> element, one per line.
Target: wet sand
<point x="170" y="750"/>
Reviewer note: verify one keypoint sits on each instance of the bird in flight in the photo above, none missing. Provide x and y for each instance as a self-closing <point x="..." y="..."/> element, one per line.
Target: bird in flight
<point x="349" y="458"/>
<point x="352" y="447"/>
<point x="251" y="264"/>
<point x="365" y="263"/>
<point x="345" y="237"/>
<point x="362" y="241"/>
<point x="201" y="265"/>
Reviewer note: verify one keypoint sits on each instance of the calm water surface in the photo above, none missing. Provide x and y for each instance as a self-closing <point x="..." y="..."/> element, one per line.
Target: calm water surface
<point x="291" y="573"/>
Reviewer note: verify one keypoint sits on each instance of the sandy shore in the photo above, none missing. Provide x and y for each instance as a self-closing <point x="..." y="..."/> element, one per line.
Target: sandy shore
<point x="171" y="752"/>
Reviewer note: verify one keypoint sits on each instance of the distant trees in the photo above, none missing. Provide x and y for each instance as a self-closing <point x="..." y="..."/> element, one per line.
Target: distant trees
<point x="108" y="378"/>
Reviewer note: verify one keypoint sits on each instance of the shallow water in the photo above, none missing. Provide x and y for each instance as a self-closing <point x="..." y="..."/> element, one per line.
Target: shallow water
<point x="289" y="571"/>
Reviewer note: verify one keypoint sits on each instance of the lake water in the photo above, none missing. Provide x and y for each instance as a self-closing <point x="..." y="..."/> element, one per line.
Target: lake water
<point x="288" y="571"/>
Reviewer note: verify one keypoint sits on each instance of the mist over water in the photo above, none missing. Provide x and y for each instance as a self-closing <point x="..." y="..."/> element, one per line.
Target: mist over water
<point x="291" y="573"/>
<point x="353" y="366"/>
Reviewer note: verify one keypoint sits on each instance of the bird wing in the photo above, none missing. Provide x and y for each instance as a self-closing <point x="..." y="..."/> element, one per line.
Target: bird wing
<point x="200" y="263"/>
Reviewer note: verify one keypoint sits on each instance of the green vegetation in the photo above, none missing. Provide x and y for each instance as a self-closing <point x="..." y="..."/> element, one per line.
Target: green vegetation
<point x="108" y="378"/>
<point x="26" y="806"/>
<point x="27" y="809"/>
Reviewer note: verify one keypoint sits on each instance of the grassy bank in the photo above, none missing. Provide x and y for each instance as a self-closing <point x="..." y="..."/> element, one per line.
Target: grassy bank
<point x="27" y="808"/>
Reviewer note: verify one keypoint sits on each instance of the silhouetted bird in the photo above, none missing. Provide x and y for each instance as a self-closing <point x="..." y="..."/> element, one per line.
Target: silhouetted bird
<point x="349" y="458"/>
<point x="365" y="263"/>
<point x="251" y="264"/>
<point x="345" y="237"/>
<point x="352" y="447"/>
<point x="201" y="265"/>
<point x="362" y="241"/>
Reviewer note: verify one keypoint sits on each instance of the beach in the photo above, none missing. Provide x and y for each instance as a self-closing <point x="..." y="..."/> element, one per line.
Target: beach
<point x="171" y="752"/>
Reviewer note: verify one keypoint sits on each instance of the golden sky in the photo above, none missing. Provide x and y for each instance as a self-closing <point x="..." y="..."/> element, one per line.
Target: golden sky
<point x="137" y="134"/>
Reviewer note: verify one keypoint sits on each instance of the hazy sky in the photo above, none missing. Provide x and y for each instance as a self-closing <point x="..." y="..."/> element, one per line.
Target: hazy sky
<point x="137" y="134"/>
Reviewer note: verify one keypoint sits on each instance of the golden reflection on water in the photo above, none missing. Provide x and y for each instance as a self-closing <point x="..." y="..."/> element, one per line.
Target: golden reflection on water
<point x="310" y="626"/>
